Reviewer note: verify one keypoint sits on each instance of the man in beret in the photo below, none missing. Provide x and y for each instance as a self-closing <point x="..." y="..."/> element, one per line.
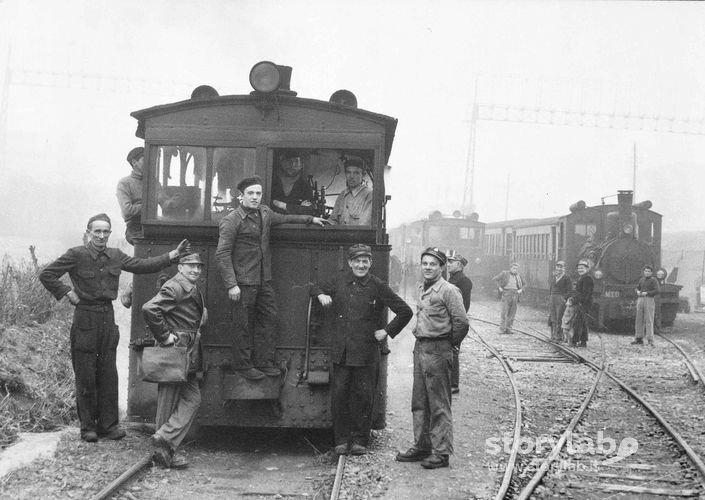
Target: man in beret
<point x="291" y="194"/>
<point x="175" y="316"/>
<point x="94" y="270"/>
<point x="129" y="195"/>
<point x="441" y="325"/>
<point x="456" y="276"/>
<point x="582" y="302"/>
<point x="244" y="260"/>
<point x="354" y="205"/>
<point x="646" y="291"/>
<point x="358" y="299"/>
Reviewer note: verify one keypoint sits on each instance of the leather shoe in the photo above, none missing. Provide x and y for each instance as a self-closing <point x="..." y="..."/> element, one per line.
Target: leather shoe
<point x="179" y="461"/>
<point x="435" y="462"/>
<point x="251" y="374"/>
<point x="161" y="450"/>
<point x="637" y="342"/>
<point x="455" y="390"/>
<point x="413" y="454"/>
<point x="358" y="449"/>
<point x="115" y="434"/>
<point x="89" y="436"/>
<point x="270" y="371"/>
<point x="342" y="449"/>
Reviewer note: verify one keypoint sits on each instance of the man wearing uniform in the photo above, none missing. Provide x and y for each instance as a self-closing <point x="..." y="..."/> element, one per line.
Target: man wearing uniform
<point x="441" y="325"/>
<point x="354" y="205"/>
<point x="582" y="301"/>
<point x="244" y="260"/>
<point x="560" y="289"/>
<point x="456" y="276"/>
<point x="646" y="290"/>
<point x="129" y="195"/>
<point x="175" y="316"/>
<point x="94" y="270"/>
<point x="359" y="299"/>
<point x="510" y="287"/>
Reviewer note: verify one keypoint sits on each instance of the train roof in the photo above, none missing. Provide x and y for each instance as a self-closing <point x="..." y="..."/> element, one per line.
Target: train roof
<point x="523" y="222"/>
<point x="389" y="123"/>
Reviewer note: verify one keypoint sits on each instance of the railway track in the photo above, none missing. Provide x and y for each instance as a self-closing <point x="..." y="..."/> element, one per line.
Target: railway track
<point x="647" y="457"/>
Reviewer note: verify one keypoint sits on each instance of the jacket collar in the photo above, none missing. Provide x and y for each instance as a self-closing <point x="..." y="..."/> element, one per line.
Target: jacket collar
<point x="184" y="282"/>
<point x="93" y="251"/>
<point x="351" y="278"/>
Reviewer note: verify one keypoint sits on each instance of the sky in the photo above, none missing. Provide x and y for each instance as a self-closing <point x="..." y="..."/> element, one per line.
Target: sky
<point x="426" y="63"/>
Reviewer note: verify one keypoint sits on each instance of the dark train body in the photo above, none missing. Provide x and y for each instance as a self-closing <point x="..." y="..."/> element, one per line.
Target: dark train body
<point x="617" y="239"/>
<point x="459" y="233"/>
<point x="196" y="151"/>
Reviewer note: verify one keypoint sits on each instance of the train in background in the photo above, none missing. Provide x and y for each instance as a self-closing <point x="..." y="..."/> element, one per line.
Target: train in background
<point x="617" y="239"/>
<point x="196" y="151"/>
<point x="463" y="234"/>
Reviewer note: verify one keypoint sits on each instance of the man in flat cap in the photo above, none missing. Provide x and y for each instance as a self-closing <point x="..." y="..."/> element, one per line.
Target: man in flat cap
<point x="129" y="195"/>
<point x="244" y="260"/>
<point x="291" y="194"/>
<point x="441" y="325"/>
<point x="354" y="205"/>
<point x="456" y="276"/>
<point x="94" y="270"/>
<point x="359" y="300"/>
<point x="559" y="291"/>
<point x="510" y="285"/>
<point x="175" y="317"/>
<point x="646" y="291"/>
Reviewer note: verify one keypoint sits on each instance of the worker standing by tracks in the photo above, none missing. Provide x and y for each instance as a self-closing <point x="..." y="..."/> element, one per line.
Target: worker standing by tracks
<point x="456" y="276"/>
<point x="646" y="290"/>
<point x="441" y="324"/>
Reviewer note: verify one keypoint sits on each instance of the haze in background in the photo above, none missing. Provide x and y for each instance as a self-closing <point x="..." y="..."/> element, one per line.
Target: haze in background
<point x="65" y="136"/>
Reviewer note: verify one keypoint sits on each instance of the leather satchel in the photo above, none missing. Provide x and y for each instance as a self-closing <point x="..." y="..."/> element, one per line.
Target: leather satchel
<point x="165" y="365"/>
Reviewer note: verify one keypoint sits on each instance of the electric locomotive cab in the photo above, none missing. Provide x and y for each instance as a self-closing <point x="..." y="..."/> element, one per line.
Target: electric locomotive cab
<point x="197" y="151"/>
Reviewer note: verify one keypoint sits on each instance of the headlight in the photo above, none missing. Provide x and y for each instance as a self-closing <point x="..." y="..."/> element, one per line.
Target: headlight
<point x="265" y="77"/>
<point x="598" y="274"/>
<point x="628" y="228"/>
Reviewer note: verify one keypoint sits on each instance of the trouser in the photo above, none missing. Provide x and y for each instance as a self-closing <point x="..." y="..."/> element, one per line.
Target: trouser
<point x="557" y="308"/>
<point x="510" y="299"/>
<point x="254" y="320"/>
<point x="431" y="397"/>
<point x="455" y="370"/>
<point x="353" y="394"/>
<point x="94" y="340"/>
<point x="644" y="322"/>
<point x="133" y="229"/>
<point x="580" y="326"/>
<point x="657" y="315"/>
<point x="177" y="405"/>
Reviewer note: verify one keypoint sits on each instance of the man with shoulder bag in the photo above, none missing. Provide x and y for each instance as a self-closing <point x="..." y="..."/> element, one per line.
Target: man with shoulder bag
<point x="175" y="316"/>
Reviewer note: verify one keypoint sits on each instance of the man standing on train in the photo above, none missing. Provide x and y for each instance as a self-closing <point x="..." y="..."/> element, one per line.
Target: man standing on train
<point x="441" y="325"/>
<point x="129" y="195"/>
<point x="456" y="276"/>
<point x="244" y="260"/>
<point x="510" y="287"/>
<point x="354" y="205"/>
<point x="94" y="270"/>
<point x="358" y="299"/>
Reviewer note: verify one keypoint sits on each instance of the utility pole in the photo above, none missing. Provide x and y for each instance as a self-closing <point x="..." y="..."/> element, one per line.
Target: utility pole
<point x="469" y="187"/>
<point x="634" y="176"/>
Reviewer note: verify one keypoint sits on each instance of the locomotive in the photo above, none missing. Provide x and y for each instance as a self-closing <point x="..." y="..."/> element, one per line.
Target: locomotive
<point x="196" y="151"/>
<point x="617" y="240"/>
<point x="456" y="232"/>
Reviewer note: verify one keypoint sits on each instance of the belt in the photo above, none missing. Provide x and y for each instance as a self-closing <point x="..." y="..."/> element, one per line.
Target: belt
<point x="433" y="339"/>
<point x="100" y="307"/>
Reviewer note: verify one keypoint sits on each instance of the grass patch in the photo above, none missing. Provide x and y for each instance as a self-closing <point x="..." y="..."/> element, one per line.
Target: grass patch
<point x="36" y="377"/>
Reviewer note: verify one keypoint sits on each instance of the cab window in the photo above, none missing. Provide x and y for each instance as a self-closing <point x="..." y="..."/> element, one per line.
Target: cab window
<point x="331" y="183"/>
<point x="181" y="172"/>
<point x="230" y="166"/>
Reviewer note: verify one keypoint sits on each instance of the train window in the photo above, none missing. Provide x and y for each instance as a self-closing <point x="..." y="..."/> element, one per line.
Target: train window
<point x="230" y="166"/>
<point x="587" y="230"/>
<point x="311" y="181"/>
<point x="181" y="172"/>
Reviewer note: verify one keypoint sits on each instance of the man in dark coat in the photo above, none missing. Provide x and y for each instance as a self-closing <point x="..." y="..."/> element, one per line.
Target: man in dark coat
<point x="456" y="276"/>
<point x="291" y="194"/>
<point x="560" y="289"/>
<point x="129" y="195"/>
<point x="175" y="316"/>
<point x="244" y="260"/>
<point x="94" y="270"/>
<point x="582" y="301"/>
<point x="359" y="299"/>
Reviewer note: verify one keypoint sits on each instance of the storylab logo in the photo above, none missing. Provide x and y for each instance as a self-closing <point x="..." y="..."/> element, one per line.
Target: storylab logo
<point x="581" y="445"/>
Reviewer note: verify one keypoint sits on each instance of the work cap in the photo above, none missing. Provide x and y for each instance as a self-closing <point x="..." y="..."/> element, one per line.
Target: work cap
<point x="435" y="252"/>
<point x="249" y="181"/>
<point x="458" y="258"/>
<point x="359" y="250"/>
<point x="354" y="162"/>
<point x="135" y="154"/>
<point x="583" y="263"/>
<point x="649" y="267"/>
<point x="560" y="263"/>
<point x="103" y="217"/>
<point x="191" y="258"/>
